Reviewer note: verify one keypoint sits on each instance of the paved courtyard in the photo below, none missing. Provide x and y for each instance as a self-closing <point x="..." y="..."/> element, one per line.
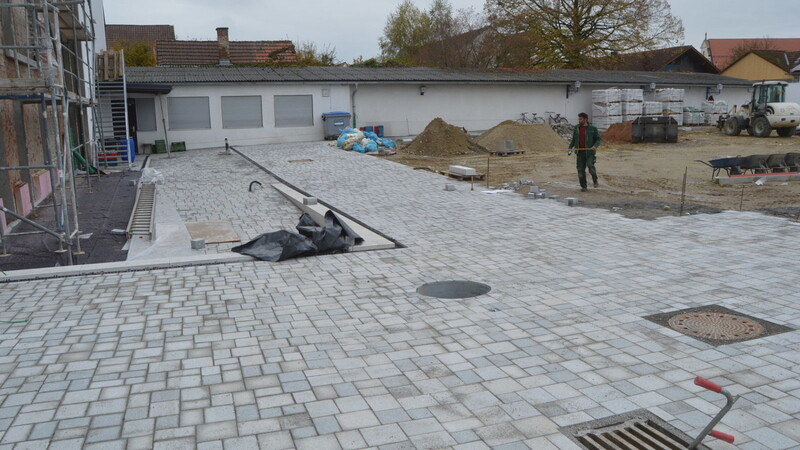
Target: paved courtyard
<point x="339" y="351"/>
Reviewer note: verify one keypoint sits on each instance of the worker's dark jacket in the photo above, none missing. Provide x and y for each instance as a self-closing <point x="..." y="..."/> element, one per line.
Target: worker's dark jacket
<point x="592" y="137"/>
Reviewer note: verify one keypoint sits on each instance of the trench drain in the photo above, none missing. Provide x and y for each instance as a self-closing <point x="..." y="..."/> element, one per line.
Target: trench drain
<point x="635" y="430"/>
<point x="141" y="221"/>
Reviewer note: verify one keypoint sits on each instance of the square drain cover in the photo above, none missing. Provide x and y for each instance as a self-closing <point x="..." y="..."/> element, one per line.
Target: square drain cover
<point x="638" y="429"/>
<point x="717" y="325"/>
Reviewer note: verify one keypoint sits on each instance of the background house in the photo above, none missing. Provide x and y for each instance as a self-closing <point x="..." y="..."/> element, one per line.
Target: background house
<point x="723" y="52"/>
<point x="684" y="58"/>
<point x="118" y="34"/>
<point x="223" y="52"/>
<point x="764" y="65"/>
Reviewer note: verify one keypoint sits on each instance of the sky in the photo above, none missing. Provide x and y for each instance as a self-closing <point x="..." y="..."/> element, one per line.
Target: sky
<point x="353" y="27"/>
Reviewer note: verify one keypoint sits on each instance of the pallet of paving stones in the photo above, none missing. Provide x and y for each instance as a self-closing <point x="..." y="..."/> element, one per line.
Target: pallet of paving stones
<point x="458" y="176"/>
<point x="507" y="153"/>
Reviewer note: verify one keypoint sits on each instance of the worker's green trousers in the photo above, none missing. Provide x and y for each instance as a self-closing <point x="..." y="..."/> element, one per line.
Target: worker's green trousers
<point x="586" y="158"/>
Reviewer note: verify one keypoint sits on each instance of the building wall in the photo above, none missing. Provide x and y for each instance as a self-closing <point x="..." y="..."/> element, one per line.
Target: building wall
<point x="398" y="107"/>
<point x="754" y="67"/>
<point x="338" y="99"/>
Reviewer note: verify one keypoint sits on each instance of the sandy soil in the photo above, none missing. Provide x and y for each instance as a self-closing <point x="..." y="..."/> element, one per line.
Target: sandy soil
<point x="639" y="180"/>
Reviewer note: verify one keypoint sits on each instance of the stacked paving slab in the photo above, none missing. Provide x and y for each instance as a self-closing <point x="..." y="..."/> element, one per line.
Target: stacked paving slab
<point x="606" y="108"/>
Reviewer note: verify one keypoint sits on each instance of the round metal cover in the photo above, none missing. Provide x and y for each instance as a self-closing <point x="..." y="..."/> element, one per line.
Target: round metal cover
<point x="716" y="325"/>
<point x="454" y="289"/>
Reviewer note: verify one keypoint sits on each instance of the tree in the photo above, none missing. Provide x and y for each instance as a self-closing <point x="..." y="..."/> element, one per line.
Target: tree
<point x="438" y="37"/>
<point x="308" y="54"/>
<point x="137" y="53"/>
<point x="578" y="33"/>
<point x="406" y="31"/>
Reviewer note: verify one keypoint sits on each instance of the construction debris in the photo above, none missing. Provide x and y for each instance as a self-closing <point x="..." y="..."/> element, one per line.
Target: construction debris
<point x="362" y="141"/>
<point x="534" y="138"/>
<point x="442" y="139"/>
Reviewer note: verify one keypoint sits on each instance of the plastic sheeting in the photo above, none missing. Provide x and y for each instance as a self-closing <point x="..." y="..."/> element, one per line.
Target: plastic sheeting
<point x="277" y="246"/>
<point x="334" y="236"/>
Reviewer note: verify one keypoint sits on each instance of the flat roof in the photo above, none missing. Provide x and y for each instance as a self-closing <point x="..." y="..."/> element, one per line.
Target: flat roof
<point x="346" y="75"/>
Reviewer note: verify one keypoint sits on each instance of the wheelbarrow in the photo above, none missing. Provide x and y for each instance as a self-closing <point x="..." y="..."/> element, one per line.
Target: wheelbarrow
<point x="709" y="429"/>
<point x="729" y="164"/>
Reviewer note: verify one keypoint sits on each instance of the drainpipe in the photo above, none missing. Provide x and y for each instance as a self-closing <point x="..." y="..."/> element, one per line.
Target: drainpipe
<point x="164" y="124"/>
<point x="353" y="103"/>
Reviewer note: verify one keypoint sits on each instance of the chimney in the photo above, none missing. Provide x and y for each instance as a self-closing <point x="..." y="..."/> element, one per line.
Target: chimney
<point x="224" y="46"/>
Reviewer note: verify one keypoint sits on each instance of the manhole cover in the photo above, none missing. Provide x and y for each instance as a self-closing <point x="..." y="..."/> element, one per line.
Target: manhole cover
<point x="717" y="325"/>
<point x="454" y="289"/>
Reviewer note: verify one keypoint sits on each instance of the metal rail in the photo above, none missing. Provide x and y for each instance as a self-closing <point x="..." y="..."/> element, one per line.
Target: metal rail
<point x="34" y="44"/>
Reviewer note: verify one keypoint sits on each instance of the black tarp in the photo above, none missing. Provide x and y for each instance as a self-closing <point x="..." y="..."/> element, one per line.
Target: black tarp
<point x="332" y="237"/>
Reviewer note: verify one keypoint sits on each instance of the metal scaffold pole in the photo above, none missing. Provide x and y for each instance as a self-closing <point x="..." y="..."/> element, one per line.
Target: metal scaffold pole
<point x="51" y="75"/>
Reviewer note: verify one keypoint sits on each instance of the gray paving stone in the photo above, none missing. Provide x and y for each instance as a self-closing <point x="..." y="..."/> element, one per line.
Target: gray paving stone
<point x="307" y="350"/>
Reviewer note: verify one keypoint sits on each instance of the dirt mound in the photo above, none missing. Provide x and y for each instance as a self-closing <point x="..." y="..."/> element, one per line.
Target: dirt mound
<point x="533" y="138"/>
<point x="442" y="139"/>
<point x="618" y="133"/>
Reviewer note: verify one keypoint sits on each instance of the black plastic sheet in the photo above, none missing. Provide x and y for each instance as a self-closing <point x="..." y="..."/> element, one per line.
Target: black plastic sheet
<point x="277" y="246"/>
<point x="333" y="236"/>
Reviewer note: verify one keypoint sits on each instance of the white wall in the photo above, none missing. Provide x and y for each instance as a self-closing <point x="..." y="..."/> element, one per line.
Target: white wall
<point x="403" y="111"/>
<point x="793" y="92"/>
<point x="338" y="100"/>
<point x="399" y="108"/>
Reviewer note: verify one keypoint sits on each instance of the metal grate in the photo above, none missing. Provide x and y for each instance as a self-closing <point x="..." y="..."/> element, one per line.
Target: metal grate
<point x="636" y="430"/>
<point x="141" y="221"/>
<point x="632" y="434"/>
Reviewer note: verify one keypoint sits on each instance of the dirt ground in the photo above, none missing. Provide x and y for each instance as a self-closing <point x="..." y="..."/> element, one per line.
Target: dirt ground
<point x="642" y="180"/>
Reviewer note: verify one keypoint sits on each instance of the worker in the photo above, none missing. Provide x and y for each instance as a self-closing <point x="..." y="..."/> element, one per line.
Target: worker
<point x="586" y="139"/>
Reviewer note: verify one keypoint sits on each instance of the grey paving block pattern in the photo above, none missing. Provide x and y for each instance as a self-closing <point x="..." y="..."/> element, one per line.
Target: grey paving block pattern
<point x="339" y="351"/>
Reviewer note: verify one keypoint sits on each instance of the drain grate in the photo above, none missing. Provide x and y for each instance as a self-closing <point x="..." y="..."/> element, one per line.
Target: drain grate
<point x="141" y="221"/>
<point x="639" y="429"/>
<point x="717" y="325"/>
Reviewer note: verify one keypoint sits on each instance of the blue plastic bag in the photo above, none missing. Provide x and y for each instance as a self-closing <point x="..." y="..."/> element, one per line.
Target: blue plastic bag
<point x="388" y="143"/>
<point x="358" y="148"/>
<point x="372" y="146"/>
<point x="371" y="135"/>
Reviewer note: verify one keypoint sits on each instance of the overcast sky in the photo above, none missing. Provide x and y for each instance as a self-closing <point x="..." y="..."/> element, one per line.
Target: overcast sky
<point x="353" y="27"/>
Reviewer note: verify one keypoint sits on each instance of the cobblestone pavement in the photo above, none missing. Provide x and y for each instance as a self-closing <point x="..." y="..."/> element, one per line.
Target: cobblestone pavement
<point x="340" y="351"/>
<point x="206" y="186"/>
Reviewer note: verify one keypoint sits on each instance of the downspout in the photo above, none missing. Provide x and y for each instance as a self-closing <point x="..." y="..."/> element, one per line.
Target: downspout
<point x="164" y="124"/>
<point x="353" y="103"/>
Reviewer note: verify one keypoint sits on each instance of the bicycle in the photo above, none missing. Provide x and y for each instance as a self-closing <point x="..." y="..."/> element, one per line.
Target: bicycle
<point x="524" y="119"/>
<point x="556" y="119"/>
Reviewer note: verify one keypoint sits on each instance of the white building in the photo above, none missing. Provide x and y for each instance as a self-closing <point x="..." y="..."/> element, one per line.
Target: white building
<point x="255" y="105"/>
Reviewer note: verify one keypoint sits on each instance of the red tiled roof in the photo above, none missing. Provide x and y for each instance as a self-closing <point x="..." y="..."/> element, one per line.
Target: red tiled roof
<point x="206" y="53"/>
<point x="722" y="49"/>
<point x="135" y="33"/>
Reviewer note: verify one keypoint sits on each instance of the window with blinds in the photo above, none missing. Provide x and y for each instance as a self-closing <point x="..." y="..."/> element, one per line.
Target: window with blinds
<point x="294" y="111"/>
<point x="242" y="112"/>
<point x="188" y="113"/>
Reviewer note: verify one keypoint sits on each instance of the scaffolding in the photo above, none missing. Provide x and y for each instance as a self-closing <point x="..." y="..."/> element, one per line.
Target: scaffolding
<point x="48" y="64"/>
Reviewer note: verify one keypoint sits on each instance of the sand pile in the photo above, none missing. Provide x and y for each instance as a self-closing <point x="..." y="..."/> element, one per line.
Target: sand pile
<point x="442" y="139"/>
<point x="533" y="138"/>
<point x="618" y="133"/>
